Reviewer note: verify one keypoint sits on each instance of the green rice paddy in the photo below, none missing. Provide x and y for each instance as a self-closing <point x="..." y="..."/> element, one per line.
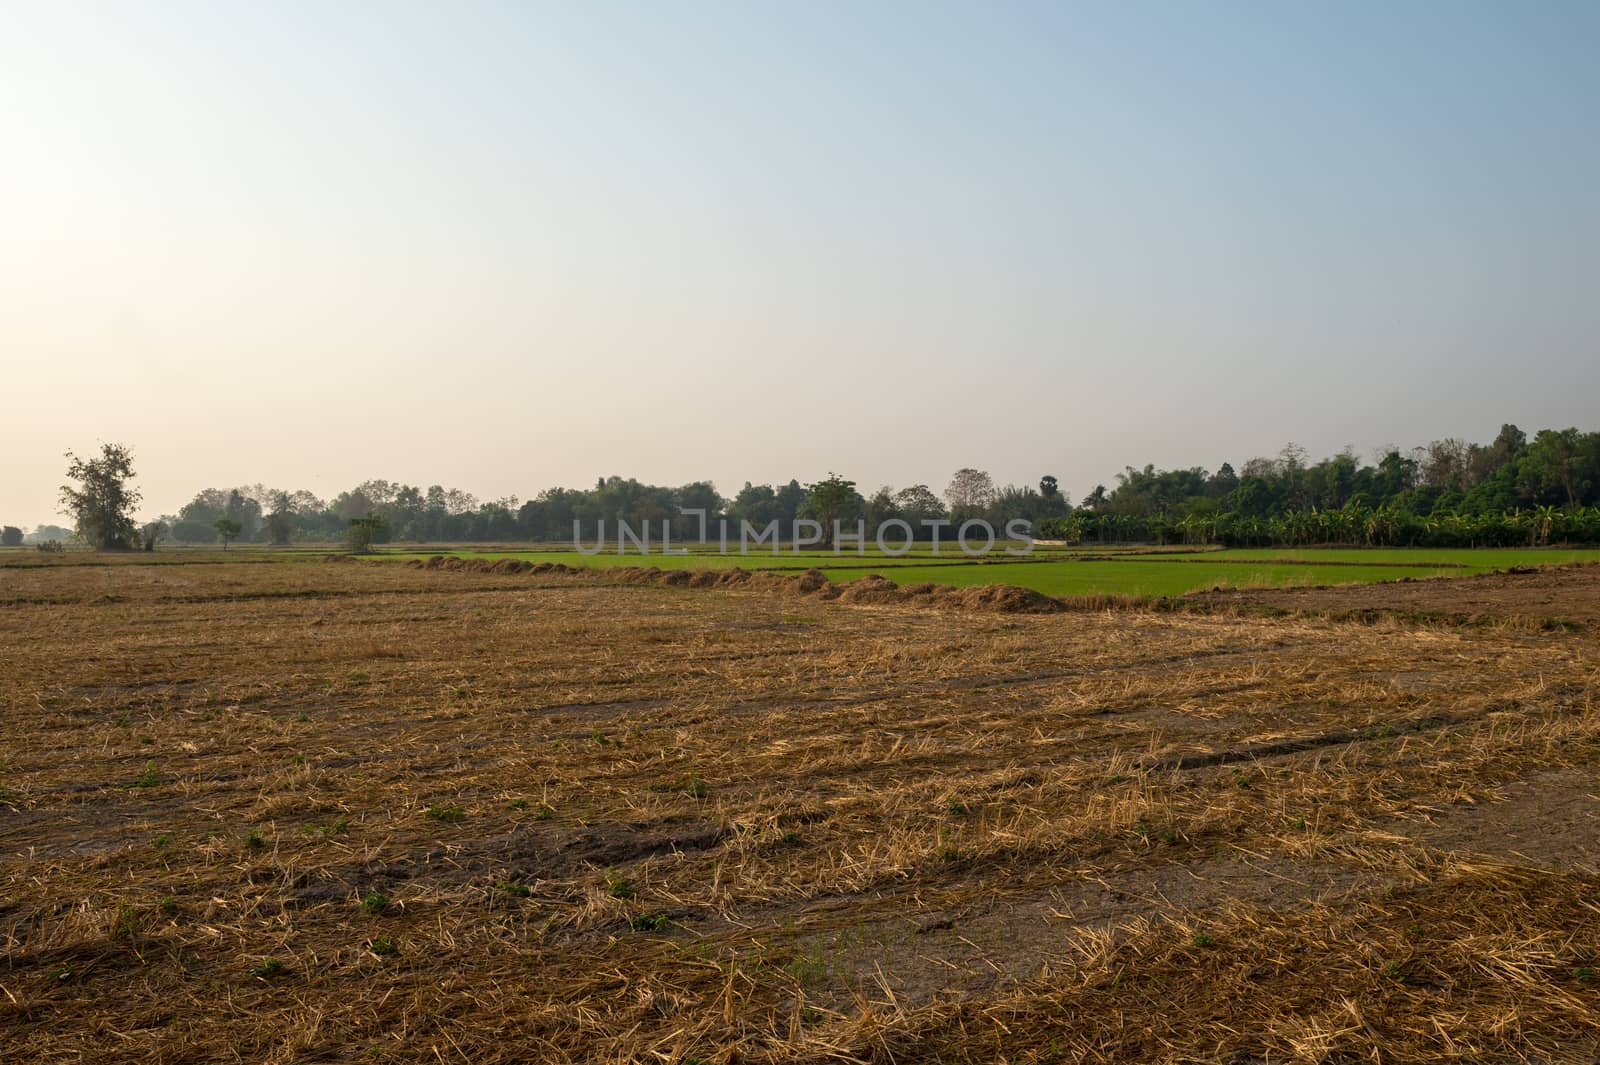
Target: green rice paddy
<point x="1085" y="570"/>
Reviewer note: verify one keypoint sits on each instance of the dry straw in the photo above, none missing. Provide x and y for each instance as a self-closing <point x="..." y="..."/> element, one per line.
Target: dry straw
<point x="495" y="812"/>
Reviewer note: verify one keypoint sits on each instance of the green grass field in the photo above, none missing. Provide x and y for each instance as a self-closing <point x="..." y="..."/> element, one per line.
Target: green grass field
<point x="1139" y="578"/>
<point x="1052" y="570"/>
<point x="1090" y="571"/>
<point x="1479" y="560"/>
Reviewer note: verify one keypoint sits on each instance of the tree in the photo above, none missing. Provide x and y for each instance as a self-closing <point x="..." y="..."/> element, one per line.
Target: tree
<point x="227" y="529"/>
<point x="788" y="500"/>
<point x="698" y="495"/>
<point x="1445" y="463"/>
<point x="207" y="506"/>
<point x="354" y="504"/>
<point x="1558" y="466"/>
<point x="244" y="510"/>
<point x="1222" y="482"/>
<point x="829" y="500"/>
<point x="280" y="523"/>
<point x="193" y="531"/>
<point x="918" y="502"/>
<point x="46" y="533"/>
<point x="1292" y="471"/>
<point x="10" y="536"/>
<point x="1053" y="503"/>
<point x="1331" y="481"/>
<point x="881" y="508"/>
<point x="151" y="534"/>
<point x="102" y="503"/>
<point x="1014" y="502"/>
<point x="365" y="531"/>
<point x="1484" y="463"/>
<point x="1396" y="473"/>
<point x="1264" y="469"/>
<point x="1149" y="491"/>
<point x="970" y="491"/>
<point x="756" y="504"/>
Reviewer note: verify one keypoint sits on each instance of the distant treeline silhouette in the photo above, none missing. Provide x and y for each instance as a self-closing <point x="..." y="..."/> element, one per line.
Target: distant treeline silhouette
<point x="1509" y="492"/>
<point x="1513" y="490"/>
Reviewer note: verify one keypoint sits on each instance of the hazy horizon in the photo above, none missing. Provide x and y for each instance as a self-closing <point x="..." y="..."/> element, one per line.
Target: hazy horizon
<point x="510" y="248"/>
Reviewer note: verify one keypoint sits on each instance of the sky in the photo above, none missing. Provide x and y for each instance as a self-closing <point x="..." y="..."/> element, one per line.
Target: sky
<point x="507" y="246"/>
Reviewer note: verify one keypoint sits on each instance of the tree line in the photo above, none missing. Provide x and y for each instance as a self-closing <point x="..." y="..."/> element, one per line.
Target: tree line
<point x="1450" y="493"/>
<point x="1512" y="490"/>
<point x="396" y="511"/>
<point x="380" y="511"/>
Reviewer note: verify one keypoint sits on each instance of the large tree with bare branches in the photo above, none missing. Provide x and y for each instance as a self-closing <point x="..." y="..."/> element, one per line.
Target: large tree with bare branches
<point x="969" y="493"/>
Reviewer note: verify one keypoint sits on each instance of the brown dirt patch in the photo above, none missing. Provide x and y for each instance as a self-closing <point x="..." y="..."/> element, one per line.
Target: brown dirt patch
<point x="1549" y="819"/>
<point x="1555" y="593"/>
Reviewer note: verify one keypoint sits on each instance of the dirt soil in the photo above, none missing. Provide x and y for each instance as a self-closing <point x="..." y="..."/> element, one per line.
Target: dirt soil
<point x="353" y="812"/>
<point x="1557" y="593"/>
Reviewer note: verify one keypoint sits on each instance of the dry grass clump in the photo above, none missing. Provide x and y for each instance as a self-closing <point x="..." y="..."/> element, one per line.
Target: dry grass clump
<point x="511" y="813"/>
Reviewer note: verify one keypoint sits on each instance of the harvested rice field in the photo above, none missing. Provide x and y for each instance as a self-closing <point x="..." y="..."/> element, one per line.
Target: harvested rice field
<point x="386" y="812"/>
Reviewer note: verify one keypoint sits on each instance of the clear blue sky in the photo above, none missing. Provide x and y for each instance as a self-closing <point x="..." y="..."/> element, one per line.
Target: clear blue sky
<point x="507" y="246"/>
